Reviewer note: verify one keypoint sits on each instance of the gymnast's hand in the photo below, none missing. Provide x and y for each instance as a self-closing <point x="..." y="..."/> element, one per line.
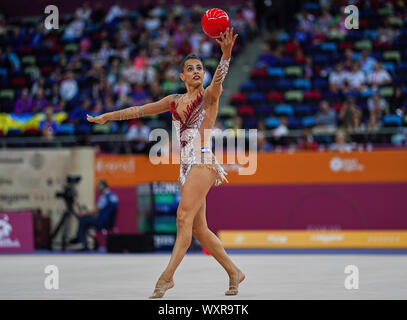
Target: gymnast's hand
<point x="99" y="119"/>
<point x="227" y="40"/>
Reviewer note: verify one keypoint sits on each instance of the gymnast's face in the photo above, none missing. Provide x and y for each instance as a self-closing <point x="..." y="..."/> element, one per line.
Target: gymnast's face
<point x="193" y="72"/>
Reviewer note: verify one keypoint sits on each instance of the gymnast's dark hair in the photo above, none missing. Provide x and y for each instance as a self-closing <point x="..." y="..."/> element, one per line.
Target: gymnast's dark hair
<point x="188" y="57"/>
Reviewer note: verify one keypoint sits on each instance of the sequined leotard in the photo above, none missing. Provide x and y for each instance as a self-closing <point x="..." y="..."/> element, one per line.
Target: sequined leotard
<point x="194" y="150"/>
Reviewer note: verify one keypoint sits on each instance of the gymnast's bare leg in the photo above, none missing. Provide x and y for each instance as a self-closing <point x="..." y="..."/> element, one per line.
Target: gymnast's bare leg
<point x="194" y="191"/>
<point x="213" y="245"/>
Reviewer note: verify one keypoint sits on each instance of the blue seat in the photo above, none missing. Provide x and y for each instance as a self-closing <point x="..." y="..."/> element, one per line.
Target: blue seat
<point x="263" y="110"/>
<point x="275" y="72"/>
<point x="83" y="128"/>
<point x="250" y="123"/>
<point x="321" y="84"/>
<point x="302" y="83"/>
<point x="248" y="86"/>
<point x="283" y="37"/>
<point x="285" y="61"/>
<point x="372" y="34"/>
<point x="283" y="84"/>
<point x="308" y="121"/>
<point x="329" y="46"/>
<point x="321" y="59"/>
<point x="272" y="122"/>
<point x="14" y="132"/>
<point x="367" y="93"/>
<point x="392" y="120"/>
<point x="303" y="110"/>
<point x="311" y="6"/>
<point x="389" y="66"/>
<point x="294" y="123"/>
<point x="256" y="97"/>
<point x="284" y="109"/>
<point x="66" y="129"/>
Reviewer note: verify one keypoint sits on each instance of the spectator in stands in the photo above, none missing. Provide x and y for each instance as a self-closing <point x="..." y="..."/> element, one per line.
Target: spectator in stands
<point x="356" y="122"/>
<point x="308" y="68"/>
<point x="386" y="33"/>
<point x="356" y="78"/>
<point x="38" y="103"/>
<point x="217" y="130"/>
<point x="325" y="119"/>
<point x="379" y="77"/>
<point x="282" y="129"/>
<point x="324" y="21"/>
<point x="116" y="11"/>
<point x="84" y="12"/>
<point x="78" y="115"/>
<point x="307" y="141"/>
<point x="267" y="58"/>
<point x="171" y="83"/>
<point x="349" y="62"/>
<point x="146" y="75"/>
<point x="397" y="105"/>
<point x="367" y="62"/>
<point x="346" y="113"/>
<point x="138" y="136"/>
<point x="377" y="105"/>
<point x="74" y="30"/>
<point x="98" y="14"/>
<point x="340" y="143"/>
<point x="69" y="87"/>
<point x="48" y="126"/>
<point x="139" y="95"/>
<point x="337" y="78"/>
<point x="206" y="47"/>
<point x="374" y="122"/>
<point x="102" y="217"/>
<point x="249" y="16"/>
<point x="129" y="72"/>
<point x="121" y="88"/>
<point x="10" y="59"/>
<point x="262" y="144"/>
<point x="105" y="52"/>
<point x="23" y="104"/>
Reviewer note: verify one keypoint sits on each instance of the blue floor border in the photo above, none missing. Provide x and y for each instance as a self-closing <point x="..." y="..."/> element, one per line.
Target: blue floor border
<point x="235" y="251"/>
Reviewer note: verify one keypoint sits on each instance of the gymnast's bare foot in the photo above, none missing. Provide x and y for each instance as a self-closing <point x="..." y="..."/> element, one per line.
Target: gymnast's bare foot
<point x="234" y="280"/>
<point x="163" y="284"/>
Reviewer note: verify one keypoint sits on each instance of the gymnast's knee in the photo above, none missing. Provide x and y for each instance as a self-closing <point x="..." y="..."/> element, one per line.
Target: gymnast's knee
<point x="200" y="231"/>
<point x="184" y="219"/>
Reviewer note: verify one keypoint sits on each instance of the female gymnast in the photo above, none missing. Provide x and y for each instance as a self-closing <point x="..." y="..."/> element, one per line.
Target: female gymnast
<point x="193" y="115"/>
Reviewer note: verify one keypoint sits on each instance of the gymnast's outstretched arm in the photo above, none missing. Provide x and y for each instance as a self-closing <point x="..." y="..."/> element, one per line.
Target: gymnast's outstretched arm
<point x="226" y="42"/>
<point x="160" y="106"/>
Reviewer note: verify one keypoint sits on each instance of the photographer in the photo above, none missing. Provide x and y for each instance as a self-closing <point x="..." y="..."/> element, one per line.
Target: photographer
<point x="103" y="217"/>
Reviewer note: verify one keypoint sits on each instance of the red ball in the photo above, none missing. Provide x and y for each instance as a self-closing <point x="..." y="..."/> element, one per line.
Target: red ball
<point x="215" y="21"/>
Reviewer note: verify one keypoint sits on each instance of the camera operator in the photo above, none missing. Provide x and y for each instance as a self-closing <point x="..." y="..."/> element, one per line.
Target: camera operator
<point x="103" y="217"/>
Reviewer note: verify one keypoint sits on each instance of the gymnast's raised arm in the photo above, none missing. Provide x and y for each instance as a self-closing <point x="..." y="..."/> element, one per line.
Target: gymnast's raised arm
<point x="160" y="106"/>
<point x="226" y="42"/>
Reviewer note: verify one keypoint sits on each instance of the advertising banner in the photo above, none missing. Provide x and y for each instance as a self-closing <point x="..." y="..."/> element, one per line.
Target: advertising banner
<point x="16" y="232"/>
<point x="272" y="168"/>
<point x="314" y="239"/>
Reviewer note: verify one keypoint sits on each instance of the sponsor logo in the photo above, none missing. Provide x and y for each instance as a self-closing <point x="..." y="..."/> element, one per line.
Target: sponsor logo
<point x="37" y="161"/>
<point x="345" y="164"/>
<point x="127" y="166"/>
<point x="327" y="238"/>
<point x="5" y="232"/>
<point x="277" y="239"/>
<point x="164" y="240"/>
<point x="239" y="238"/>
